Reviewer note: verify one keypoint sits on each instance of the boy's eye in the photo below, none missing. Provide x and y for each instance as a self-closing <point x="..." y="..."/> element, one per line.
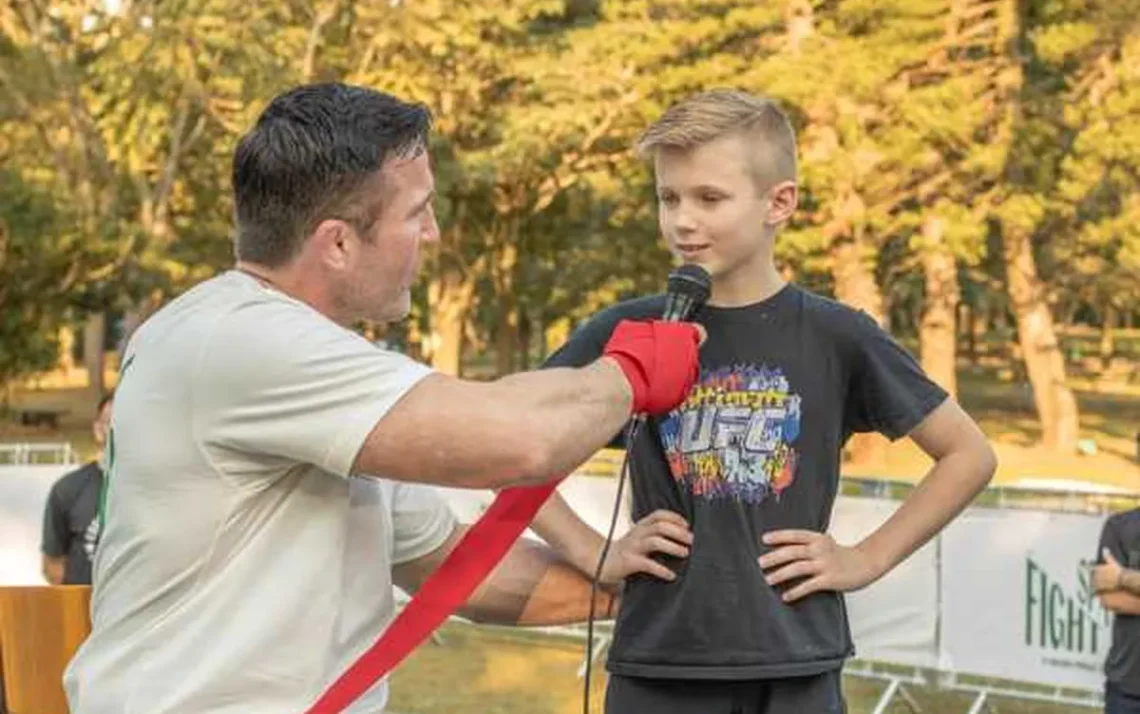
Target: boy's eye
<point x="669" y="199"/>
<point x="711" y="197"/>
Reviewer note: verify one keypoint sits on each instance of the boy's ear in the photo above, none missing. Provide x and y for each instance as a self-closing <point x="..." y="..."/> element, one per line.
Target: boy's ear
<point x="782" y="201"/>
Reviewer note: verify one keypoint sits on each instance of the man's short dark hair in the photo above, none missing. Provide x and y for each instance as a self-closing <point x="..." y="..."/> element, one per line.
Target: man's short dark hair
<point x="307" y="158"/>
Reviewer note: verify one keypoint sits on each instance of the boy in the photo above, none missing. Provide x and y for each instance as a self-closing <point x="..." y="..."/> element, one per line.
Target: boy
<point x="738" y="607"/>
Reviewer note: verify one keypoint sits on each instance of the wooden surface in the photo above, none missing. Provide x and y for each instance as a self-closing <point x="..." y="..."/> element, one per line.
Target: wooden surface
<point x="40" y="629"/>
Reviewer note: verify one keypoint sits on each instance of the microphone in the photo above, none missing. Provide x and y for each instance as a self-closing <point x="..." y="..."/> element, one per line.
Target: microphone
<point x="687" y="290"/>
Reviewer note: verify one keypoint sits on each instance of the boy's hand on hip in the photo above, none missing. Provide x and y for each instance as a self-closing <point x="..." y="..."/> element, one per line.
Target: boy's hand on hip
<point x="817" y="561"/>
<point x="660" y="532"/>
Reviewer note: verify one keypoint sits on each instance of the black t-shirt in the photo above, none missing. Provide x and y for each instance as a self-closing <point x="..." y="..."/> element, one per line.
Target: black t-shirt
<point x="756" y="447"/>
<point x="1121" y="535"/>
<point x="71" y="526"/>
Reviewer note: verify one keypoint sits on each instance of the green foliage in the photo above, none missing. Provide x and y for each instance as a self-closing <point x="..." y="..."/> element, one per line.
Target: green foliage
<point x="122" y="124"/>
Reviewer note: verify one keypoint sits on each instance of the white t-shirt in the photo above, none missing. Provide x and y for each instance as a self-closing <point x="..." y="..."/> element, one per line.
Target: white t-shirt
<point x="242" y="568"/>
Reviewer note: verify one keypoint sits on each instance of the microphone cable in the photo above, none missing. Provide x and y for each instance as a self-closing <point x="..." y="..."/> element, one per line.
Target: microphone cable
<point x="631" y="433"/>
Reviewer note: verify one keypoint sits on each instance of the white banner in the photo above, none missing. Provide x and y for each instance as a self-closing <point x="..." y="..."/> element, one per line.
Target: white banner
<point x="895" y="619"/>
<point x="23" y="493"/>
<point x="1017" y="601"/>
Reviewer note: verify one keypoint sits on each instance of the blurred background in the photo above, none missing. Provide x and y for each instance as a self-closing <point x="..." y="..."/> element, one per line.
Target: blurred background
<point x="969" y="177"/>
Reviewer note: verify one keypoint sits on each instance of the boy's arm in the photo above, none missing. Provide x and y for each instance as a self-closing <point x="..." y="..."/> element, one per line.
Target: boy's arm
<point x="964" y="462"/>
<point x="581" y="546"/>
<point x="571" y="537"/>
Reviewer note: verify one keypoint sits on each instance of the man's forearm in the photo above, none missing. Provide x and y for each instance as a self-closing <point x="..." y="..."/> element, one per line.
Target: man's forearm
<point x="524" y="429"/>
<point x="948" y="487"/>
<point x="570" y="419"/>
<point x="1130" y="581"/>
<point x="534" y="586"/>
<point x="1121" y="602"/>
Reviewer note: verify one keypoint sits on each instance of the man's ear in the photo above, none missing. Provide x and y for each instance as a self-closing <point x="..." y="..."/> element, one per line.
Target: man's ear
<point x="333" y="243"/>
<point x="782" y="202"/>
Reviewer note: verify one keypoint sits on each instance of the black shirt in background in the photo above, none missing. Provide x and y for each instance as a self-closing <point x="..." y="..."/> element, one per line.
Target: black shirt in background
<point x="1121" y="535"/>
<point x="71" y="526"/>
<point x="756" y="447"/>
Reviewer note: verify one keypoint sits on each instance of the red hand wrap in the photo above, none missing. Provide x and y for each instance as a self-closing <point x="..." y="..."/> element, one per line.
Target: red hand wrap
<point x="659" y="359"/>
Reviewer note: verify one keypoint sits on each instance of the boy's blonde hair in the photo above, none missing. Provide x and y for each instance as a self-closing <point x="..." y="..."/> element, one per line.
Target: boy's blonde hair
<point x="710" y="115"/>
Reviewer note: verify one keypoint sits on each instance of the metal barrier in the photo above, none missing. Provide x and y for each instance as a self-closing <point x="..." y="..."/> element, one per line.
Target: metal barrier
<point x="25" y="454"/>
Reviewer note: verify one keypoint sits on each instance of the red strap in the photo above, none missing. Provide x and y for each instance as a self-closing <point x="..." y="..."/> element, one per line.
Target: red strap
<point x="448" y="588"/>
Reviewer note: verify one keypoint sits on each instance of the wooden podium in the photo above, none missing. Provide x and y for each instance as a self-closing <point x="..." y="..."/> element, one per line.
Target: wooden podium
<point x="40" y="629"/>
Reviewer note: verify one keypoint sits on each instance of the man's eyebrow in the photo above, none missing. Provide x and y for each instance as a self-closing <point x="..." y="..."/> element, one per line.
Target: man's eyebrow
<point x="422" y="204"/>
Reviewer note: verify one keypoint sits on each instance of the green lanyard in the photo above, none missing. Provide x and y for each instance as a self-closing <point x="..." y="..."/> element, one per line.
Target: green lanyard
<point x="110" y="456"/>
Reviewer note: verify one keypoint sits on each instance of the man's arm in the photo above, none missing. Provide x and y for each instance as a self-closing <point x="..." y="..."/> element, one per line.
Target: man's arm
<point x="53" y="568"/>
<point x="531" y="427"/>
<point x="522" y="429"/>
<point x="964" y="462"/>
<point x="1111" y="576"/>
<point x="532" y="586"/>
<point x="56" y="537"/>
<point x="1120" y="602"/>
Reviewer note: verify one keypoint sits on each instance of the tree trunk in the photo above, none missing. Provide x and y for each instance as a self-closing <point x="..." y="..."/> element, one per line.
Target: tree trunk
<point x="93" y="351"/>
<point x="855" y="279"/>
<point x="131" y="321"/>
<point x="526" y="334"/>
<point x="1045" y="364"/>
<point x="1107" y="343"/>
<point x="506" y="337"/>
<point x="66" y="361"/>
<point x="938" y="330"/>
<point x="449" y="299"/>
<point x="855" y="285"/>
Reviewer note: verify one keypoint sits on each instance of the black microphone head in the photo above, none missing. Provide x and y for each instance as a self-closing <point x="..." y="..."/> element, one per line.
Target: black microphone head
<point x="692" y="281"/>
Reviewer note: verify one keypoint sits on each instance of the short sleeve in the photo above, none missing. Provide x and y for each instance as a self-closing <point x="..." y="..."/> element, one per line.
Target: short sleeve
<point x="56" y="535"/>
<point x="888" y="392"/>
<point x="1110" y="538"/>
<point x="421" y="521"/>
<point x="589" y="340"/>
<point x="277" y="379"/>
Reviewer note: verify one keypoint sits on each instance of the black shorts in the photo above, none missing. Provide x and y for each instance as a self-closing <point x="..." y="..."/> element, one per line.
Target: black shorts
<point x="814" y="694"/>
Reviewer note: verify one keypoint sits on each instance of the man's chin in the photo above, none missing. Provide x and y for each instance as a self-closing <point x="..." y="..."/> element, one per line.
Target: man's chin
<point x="394" y="312"/>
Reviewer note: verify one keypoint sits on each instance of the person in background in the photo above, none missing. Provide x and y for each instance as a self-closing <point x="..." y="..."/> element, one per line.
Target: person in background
<point x="1117" y="583"/>
<point x="71" y="522"/>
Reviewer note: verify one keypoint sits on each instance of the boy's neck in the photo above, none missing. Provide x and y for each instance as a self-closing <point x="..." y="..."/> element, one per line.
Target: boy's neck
<point x="747" y="285"/>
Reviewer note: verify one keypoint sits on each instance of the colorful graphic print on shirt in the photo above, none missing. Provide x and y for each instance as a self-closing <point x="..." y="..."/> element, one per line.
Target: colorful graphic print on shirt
<point x="733" y="436"/>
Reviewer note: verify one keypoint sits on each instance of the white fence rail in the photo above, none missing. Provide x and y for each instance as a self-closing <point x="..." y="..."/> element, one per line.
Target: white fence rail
<point x="22" y="454"/>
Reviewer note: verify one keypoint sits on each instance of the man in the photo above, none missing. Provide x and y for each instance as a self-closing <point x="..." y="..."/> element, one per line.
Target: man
<point x="743" y="612"/>
<point x="244" y="564"/>
<point x="1117" y="583"/>
<point x="71" y="528"/>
